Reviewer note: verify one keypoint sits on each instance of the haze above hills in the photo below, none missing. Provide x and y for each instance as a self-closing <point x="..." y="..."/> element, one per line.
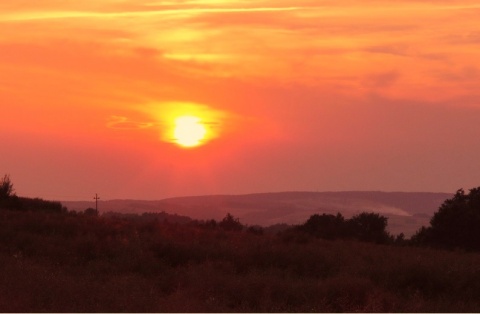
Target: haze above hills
<point x="406" y="211"/>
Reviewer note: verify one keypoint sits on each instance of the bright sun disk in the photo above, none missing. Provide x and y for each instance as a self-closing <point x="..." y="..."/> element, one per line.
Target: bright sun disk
<point x="189" y="131"/>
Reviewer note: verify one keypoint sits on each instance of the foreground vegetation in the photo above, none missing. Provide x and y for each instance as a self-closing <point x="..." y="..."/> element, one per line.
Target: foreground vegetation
<point x="53" y="260"/>
<point x="66" y="262"/>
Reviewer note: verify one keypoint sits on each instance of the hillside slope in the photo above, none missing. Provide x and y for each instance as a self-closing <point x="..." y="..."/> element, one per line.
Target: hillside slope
<point x="407" y="211"/>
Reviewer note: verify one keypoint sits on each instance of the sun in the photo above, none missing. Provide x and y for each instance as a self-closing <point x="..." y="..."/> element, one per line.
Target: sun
<point x="189" y="125"/>
<point x="189" y="131"/>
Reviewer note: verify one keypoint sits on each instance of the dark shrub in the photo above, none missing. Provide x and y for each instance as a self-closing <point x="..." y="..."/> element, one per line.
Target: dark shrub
<point x="230" y="223"/>
<point x="369" y="227"/>
<point x="325" y="226"/>
<point x="456" y="224"/>
<point x="6" y="187"/>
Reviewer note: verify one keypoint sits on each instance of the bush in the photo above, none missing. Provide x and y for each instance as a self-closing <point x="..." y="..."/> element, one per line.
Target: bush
<point x="230" y="223"/>
<point x="369" y="227"/>
<point x="325" y="226"/>
<point x="456" y="224"/>
<point x="6" y="187"/>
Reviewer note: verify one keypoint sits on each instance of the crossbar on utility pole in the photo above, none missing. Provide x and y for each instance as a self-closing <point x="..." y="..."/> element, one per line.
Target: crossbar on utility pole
<point x="96" y="198"/>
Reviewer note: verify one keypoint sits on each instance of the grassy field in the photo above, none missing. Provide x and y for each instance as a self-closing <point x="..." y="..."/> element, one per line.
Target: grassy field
<point x="64" y="262"/>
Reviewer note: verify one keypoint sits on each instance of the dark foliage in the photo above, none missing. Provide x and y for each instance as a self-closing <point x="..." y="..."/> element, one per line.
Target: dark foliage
<point x="78" y="263"/>
<point x="230" y="223"/>
<point x="6" y="187"/>
<point x="255" y="230"/>
<point x="91" y="211"/>
<point x="368" y="227"/>
<point x="149" y="217"/>
<point x="210" y="224"/>
<point x="456" y="224"/>
<point x="325" y="226"/>
<point x="58" y="261"/>
<point x="41" y="205"/>
<point x="10" y="201"/>
<point x="13" y="203"/>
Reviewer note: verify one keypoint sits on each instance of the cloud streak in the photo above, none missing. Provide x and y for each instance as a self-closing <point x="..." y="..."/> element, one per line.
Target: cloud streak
<point x="52" y="15"/>
<point x="120" y="122"/>
<point x="238" y="38"/>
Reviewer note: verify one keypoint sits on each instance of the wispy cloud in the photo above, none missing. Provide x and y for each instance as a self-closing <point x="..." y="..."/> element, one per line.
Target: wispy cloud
<point x="49" y="15"/>
<point x="302" y="41"/>
<point x="120" y="122"/>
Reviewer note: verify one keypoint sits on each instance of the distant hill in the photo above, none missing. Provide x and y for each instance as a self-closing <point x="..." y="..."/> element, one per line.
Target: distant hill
<point x="407" y="211"/>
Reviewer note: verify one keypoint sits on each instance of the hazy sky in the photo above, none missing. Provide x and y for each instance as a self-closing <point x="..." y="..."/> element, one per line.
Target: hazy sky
<point x="296" y="95"/>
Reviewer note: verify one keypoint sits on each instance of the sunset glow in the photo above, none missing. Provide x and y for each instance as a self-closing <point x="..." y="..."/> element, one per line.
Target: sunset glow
<point x="189" y="131"/>
<point x="187" y="124"/>
<point x="279" y="94"/>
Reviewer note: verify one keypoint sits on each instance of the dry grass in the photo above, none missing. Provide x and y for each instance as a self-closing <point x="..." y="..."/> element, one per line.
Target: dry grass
<point x="68" y="263"/>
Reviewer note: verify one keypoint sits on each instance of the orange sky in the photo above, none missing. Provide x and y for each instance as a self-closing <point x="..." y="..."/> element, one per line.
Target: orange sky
<point x="301" y="95"/>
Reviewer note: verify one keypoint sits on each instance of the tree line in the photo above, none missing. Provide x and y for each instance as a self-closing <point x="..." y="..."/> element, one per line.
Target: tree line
<point x="9" y="200"/>
<point x="456" y="224"/>
<point x="367" y="227"/>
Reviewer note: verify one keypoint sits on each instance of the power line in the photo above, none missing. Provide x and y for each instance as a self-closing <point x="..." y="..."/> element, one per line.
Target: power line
<point x="96" y="198"/>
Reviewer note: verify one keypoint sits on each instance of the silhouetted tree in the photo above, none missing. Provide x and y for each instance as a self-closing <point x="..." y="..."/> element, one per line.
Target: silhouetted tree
<point x="8" y="199"/>
<point x="230" y="223"/>
<point x="369" y="227"/>
<point x="456" y="224"/>
<point x="325" y="226"/>
<point x="6" y="187"/>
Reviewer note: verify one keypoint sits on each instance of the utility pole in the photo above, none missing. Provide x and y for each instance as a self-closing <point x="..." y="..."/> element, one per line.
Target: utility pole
<point x="96" y="198"/>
